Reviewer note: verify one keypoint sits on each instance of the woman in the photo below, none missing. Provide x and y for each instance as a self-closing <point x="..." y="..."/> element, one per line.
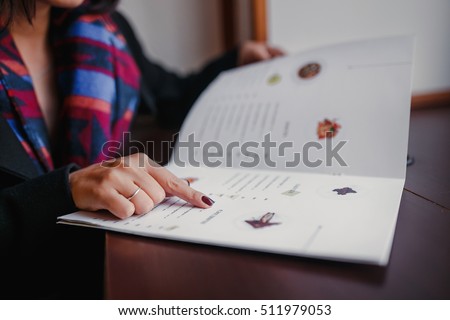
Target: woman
<point x="71" y="74"/>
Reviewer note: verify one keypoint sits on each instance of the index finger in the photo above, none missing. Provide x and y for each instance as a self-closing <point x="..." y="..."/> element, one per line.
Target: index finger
<point x="178" y="187"/>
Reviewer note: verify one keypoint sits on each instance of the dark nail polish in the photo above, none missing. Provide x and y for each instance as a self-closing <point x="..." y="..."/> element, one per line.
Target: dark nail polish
<point x="208" y="201"/>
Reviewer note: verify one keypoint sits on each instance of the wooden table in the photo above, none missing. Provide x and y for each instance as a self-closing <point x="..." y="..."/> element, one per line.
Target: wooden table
<point x="419" y="268"/>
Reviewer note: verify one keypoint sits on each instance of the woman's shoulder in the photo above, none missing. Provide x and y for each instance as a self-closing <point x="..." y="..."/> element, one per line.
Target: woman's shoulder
<point x="81" y="23"/>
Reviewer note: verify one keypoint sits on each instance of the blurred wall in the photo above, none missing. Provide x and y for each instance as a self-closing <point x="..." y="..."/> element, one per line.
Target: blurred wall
<point x="181" y="34"/>
<point x="302" y="24"/>
<point x="244" y="20"/>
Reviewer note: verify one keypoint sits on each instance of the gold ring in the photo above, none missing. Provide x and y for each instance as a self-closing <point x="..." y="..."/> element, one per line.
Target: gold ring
<point x="134" y="194"/>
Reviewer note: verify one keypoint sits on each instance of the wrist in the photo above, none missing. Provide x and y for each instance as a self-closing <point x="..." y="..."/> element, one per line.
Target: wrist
<point x="72" y="173"/>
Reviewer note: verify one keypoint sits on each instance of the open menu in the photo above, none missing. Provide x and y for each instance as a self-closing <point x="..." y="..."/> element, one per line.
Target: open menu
<point x="305" y="155"/>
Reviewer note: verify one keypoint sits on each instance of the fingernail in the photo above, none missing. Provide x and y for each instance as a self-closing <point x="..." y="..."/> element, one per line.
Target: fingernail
<point x="208" y="201"/>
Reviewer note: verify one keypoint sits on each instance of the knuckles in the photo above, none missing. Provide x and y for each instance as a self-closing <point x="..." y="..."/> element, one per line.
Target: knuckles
<point x="136" y="160"/>
<point x="109" y="175"/>
<point x="173" y="184"/>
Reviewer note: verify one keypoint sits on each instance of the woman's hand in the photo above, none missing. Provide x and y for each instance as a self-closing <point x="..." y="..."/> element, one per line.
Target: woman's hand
<point x="110" y="185"/>
<point x="252" y="51"/>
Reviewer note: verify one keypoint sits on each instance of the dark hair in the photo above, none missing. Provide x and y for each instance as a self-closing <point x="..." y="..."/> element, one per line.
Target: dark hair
<point x="10" y="8"/>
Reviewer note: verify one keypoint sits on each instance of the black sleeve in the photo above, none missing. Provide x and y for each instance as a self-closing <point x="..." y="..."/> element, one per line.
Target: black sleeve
<point x="28" y="213"/>
<point x="36" y="254"/>
<point x="165" y="92"/>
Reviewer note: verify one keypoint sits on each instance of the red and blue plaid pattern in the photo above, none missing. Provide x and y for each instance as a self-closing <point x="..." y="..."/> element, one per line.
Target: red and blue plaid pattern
<point x="98" y="83"/>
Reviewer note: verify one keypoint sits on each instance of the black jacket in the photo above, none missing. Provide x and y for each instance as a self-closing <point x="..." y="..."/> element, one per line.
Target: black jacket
<point x="30" y="204"/>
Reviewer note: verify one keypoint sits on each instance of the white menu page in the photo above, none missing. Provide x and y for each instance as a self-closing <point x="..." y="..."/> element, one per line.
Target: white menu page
<point x="331" y="191"/>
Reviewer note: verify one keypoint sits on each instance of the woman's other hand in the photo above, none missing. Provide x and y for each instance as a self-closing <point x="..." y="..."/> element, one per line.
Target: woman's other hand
<point x="252" y="51"/>
<point x="113" y="185"/>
